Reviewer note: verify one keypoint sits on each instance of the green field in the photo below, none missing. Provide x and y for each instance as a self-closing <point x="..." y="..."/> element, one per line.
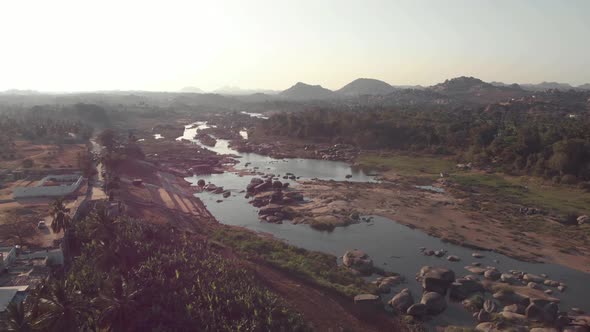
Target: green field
<point x="525" y="190"/>
<point x="407" y="165"/>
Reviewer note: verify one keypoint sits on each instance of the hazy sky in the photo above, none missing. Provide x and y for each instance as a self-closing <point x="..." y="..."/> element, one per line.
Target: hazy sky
<point x="61" y="45"/>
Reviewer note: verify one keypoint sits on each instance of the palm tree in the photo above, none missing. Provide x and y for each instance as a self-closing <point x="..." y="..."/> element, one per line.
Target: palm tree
<point x="61" y="218"/>
<point x="65" y="309"/>
<point x="118" y="306"/>
<point x="18" y="319"/>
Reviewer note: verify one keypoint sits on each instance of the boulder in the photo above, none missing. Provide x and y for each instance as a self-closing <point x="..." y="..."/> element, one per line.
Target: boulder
<point x="583" y="219"/>
<point x="226" y="194"/>
<point x="367" y="301"/>
<point x="550" y="312"/>
<point x="453" y="258"/>
<point x="507" y="278"/>
<point x="576" y="328"/>
<point x="507" y="297"/>
<point x="490" y="306"/>
<point x="402" y="301"/>
<point x="256" y="181"/>
<point x="551" y="283"/>
<point x="534" y="278"/>
<point x="477" y="255"/>
<point x="533" y="285"/>
<point x="483" y="316"/>
<point x="544" y="329"/>
<point x="201" y="183"/>
<point x="435" y="302"/>
<point x="277" y="184"/>
<point x="535" y="313"/>
<point x="475" y="269"/>
<point x="492" y="274"/>
<point x="486" y="327"/>
<point x="417" y="310"/>
<point x="210" y="187"/>
<point x="512" y="316"/>
<point x="515" y="308"/>
<point x="358" y="260"/>
<point x="462" y="288"/>
<point x="270" y="209"/>
<point x="439" y="253"/>
<point x="436" y="279"/>
<point x="218" y="190"/>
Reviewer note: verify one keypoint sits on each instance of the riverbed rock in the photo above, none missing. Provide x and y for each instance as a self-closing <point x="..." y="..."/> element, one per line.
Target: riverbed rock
<point x="276" y="197"/>
<point x="513" y="317"/>
<point x="417" y="310"/>
<point x="201" y="183"/>
<point x="551" y="283"/>
<point x="453" y="258"/>
<point x="483" y="316"/>
<point x="492" y="274"/>
<point x="270" y="209"/>
<point x="533" y="285"/>
<point x="534" y="312"/>
<point x="436" y="279"/>
<point x="476" y="269"/>
<point x="490" y="306"/>
<point x="534" y="278"/>
<point x="210" y="187"/>
<point x="218" y="190"/>
<point x="367" y="301"/>
<point x="507" y="297"/>
<point x="507" y="278"/>
<point x="561" y="288"/>
<point x="576" y="328"/>
<point x="462" y="288"/>
<point x="477" y="255"/>
<point x="583" y="219"/>
<point x="487" y="327"/>
<point x="544" y="329"/>
<point x="439" y="253"/>
<point x="226" y="194"/>
<point x="358" y="260"/>
<point x="402" y="301"/>
<point x="516" y="308"/>
<point x="435" y="303"/>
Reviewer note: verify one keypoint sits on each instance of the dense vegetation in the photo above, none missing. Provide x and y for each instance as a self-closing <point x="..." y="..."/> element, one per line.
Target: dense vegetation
<point x="520" y="139"/>
<point x="128" y="275"/>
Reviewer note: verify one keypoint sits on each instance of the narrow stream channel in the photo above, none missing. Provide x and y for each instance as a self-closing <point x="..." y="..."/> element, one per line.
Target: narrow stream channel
<point x="391" y="245"/>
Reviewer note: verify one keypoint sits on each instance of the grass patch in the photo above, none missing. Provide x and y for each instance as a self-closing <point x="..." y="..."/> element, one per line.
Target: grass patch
<point x="319" y="268"/>
<point x="406" y="165"/>
<point x="529" y="191"/>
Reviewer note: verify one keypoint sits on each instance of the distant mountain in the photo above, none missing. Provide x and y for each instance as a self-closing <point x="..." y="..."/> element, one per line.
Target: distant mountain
<point x="191" y="89"/>
<point x="20" y="92"/>
<point x="302" y="91"/>
<point x="365" y="86"/>
<point x="234" y="90"/>
<point x="472" y="89"/>
<point x="546" y="86"/>
<point x="584" y="86"/>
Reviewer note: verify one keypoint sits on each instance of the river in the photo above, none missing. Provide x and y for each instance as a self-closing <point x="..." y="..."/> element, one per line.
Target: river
<point x="391" y="245"/>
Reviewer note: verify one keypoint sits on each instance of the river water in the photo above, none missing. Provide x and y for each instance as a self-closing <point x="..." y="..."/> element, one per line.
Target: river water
<point x="391" y="245"/>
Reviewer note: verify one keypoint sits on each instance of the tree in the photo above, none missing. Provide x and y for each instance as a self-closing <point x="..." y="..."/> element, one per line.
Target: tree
<point x="66" y="310"/>
<point x="18" y="319"/>
<point x="118" y="306"/>
<point x="107" y="139"/>
<point x="61" y="218"/>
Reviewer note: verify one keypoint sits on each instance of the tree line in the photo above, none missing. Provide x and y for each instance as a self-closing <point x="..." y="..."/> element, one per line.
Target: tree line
<point x="550" y="143"/>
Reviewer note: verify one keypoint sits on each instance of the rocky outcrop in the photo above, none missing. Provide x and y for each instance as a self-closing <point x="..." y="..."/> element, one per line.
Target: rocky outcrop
<point x="358" y="260"/>
<point x="435" y="303"/>
<point x="436" y="279"/>
<point x="417" y="310"/>
<point x="463" y="288"/>
<point x="402" y="301"/>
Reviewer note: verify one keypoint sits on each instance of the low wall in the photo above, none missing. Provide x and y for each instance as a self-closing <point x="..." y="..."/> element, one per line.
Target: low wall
<point x="49" y="191"/>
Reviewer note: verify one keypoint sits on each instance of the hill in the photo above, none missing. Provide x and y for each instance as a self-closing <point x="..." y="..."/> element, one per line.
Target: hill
<point x="366" y="86"/>
<point x="302" y="91"/>
<point x="471" y="89"/>
<point x="191" y="89"/>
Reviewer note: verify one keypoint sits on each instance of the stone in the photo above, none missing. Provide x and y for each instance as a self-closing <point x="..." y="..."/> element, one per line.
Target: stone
<point x="486" y="327"/>
<point x="462" y="288"/>
<point x="561" y="288"/>
<point x="583" y="219"/>
<point x="577" y="311"/>
<point x="453" y="258"/>
<point x="439" y="253"/>
<point x="277" y="184"/>
<point x="507" y="278"/>
<point x="201" y="183"/>
<point x="483" y="316"/>
<point x="534" y="312"/>
<point x="551" y="312"/>
<point x="544" y="329"/>
<point x="476" y="264"/>
<point x="270" y="209"/>
<point x="226" y="194"/>
<point x="368" y="301"/>
<point x="435" y="303"/>
<point x="477" y="255"/>
<point x="533" y="278"/>
<point x="492" y="274"/>
<point x="576" y="328"/>
<point x="417" y="310"/>
<point x="512" y="316"/>
<point x="436" y="279"/>
<point x="533" y="285"/>
<point x="515" y="308"/>
<point x="489" y="306"/>
<point x="551" y="283"/>
<point x="509" y="297"/>
<point x="428" y="252"/>
<point x="548" y="292"/>
<point x="402" y="301"/>
<point x="358" y="260"/>
<point x="475" y="269"/>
